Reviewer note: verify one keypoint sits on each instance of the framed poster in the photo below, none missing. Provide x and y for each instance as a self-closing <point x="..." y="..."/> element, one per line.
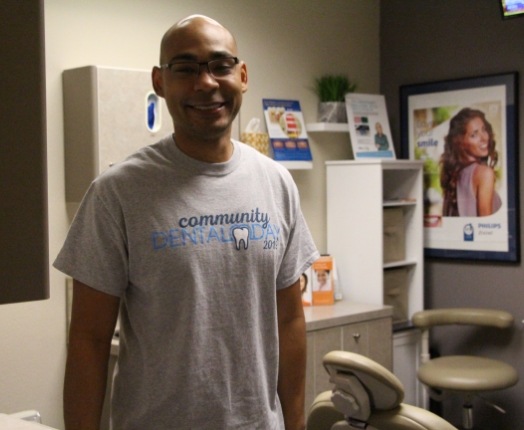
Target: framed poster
<point x="511" y="8"/>
<point x="465" y="130"/>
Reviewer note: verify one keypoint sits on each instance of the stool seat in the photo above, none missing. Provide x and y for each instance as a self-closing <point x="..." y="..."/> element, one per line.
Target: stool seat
<point x="467" y="373"/>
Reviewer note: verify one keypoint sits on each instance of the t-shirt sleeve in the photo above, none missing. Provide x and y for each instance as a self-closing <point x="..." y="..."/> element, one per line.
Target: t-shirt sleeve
<point x="95" y="250"/>
<point x="300" y="252"/>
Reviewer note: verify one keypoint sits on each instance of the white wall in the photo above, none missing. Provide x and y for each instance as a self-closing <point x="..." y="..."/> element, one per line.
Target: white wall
<point x="285" y="45"/>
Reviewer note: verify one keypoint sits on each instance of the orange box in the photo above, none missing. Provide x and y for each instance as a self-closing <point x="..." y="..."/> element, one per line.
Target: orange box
<point x="323" y="281"/>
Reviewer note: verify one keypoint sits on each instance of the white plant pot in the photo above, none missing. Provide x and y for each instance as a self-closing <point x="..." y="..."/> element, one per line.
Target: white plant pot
<point x="332" y="112"/>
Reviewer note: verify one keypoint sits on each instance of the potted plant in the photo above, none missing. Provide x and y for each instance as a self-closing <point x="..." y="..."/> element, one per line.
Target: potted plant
<point x="331" y="91"/>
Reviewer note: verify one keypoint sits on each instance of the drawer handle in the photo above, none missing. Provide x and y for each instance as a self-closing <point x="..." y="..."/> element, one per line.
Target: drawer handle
<point x="356" y="336"/>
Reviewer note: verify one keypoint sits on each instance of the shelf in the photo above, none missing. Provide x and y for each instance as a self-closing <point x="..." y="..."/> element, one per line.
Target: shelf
<point x="313" y="127"/>
<point x="386" y="164"/>
<point x="402" y="263"/>
<point x="396" y="203"/>
<point x="296" y="165"/>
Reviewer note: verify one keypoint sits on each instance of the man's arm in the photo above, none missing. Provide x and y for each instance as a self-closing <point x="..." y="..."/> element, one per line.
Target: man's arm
<point x="292" y="345"/>
<point x="93" y="321"/>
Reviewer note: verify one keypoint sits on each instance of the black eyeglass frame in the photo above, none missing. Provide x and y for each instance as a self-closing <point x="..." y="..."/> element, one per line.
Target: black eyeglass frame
<point x="200" y="64"/>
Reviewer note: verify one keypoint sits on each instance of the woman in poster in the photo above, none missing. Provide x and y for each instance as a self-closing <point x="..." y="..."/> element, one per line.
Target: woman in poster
<point x="467" y="164"/>
<point x="381" y="140"/>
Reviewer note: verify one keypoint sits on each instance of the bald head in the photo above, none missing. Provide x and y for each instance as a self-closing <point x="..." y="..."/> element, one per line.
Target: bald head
<point x="191" y="18"/>
<point x="187" y="25"/>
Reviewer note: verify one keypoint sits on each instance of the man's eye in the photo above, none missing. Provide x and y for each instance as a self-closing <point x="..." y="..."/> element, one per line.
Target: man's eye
<point x="183" y="69"/>
<point x="222" y="68"/>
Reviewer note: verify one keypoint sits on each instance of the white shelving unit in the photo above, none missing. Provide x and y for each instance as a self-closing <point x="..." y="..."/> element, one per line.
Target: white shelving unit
<point x="315" y="127"/>
<point x="357" y="194"/>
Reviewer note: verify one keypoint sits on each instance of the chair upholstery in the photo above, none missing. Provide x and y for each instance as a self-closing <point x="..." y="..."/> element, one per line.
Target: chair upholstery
<point x="322" y="413"/>
<point x="465" y="374"/>
<point x="366" y="393"/>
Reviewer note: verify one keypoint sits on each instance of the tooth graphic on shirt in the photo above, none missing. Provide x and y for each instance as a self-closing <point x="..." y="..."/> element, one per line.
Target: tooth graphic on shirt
<point x="241" y="234"/>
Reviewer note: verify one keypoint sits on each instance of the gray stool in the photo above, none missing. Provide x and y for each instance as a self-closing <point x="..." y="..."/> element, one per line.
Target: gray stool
<point x="464" y="374"/>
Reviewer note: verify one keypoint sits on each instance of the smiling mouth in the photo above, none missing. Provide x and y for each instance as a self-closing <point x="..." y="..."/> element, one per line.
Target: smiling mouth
<point x="208" y="107"/>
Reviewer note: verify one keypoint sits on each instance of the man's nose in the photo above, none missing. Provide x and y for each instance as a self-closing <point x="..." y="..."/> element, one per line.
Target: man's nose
<point x="205" y="79"/>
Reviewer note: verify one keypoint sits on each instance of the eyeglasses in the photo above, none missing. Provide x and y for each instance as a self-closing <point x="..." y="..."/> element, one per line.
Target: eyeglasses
<point x="219" y="68"/>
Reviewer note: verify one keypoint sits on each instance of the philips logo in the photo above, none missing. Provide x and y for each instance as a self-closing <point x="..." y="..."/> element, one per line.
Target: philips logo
<point x="469" y="233"/>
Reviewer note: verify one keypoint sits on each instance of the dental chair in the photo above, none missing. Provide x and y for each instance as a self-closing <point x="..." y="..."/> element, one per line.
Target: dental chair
<point x="467" y="375"/>
<point x="366" y="395"/>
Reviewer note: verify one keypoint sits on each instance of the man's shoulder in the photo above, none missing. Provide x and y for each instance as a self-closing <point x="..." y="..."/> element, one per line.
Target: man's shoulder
<point x="144" y="157"/>
<point x="137" y="168"/>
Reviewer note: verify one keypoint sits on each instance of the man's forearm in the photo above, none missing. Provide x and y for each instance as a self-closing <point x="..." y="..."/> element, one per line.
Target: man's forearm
<point x="85" y="384"/>
<point x="292" y="371"/>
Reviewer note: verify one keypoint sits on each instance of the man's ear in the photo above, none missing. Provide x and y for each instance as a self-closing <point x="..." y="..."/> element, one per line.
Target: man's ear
<point x="158" y="81"/>
<point x="243" y="76"/>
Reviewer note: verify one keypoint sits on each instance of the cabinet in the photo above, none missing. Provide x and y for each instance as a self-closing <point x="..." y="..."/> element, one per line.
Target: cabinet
<point x="108" y="114"/>
<point x="24" y="226"/>
<point x="348" y="326"/>
<point x="406" y="361"/>
<point x="359" y="193"/>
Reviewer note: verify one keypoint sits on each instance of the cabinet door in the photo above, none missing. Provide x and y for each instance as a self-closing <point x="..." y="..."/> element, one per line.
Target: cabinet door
<point x="319" y="343"/>
<point x="406" y="361"/>
<point x="24" y="263"/>
<point x="372" y="339"/>
<point x="380" y="342"/>
<point x="355" y="338"/>
<point x="324" y="341"/>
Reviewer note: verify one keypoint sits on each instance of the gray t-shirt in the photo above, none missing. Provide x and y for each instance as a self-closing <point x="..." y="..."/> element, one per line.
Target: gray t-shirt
<point x="196" y="252"/>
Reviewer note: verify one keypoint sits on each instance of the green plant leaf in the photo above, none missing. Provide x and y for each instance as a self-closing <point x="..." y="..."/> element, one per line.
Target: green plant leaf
<point x="333" y="88"/>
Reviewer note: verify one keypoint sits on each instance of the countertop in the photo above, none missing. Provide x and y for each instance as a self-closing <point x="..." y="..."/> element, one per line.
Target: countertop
<point x="342" y="313"/>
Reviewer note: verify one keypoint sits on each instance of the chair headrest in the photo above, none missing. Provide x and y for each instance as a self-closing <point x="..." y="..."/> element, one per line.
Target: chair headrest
<point x="376" y="385"/>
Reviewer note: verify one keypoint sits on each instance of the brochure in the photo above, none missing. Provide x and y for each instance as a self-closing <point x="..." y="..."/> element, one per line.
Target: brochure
<point x="306" y="287"/>
<point x="369" y="126"/>
<point x="287" y="133"/>
<point x="323" y="280"/>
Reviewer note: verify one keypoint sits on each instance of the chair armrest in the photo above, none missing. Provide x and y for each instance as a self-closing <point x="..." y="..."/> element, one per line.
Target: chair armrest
<point x="465" y="316"/>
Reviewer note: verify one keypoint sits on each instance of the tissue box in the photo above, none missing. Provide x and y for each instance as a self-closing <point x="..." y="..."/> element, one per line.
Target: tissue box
<point x="394" y="235"/>
<point x="259" y="141"/>
<point x="396" y="292"/>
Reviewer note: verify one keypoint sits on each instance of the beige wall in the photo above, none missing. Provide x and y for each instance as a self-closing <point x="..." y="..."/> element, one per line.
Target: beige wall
<point x="285" y="45"/>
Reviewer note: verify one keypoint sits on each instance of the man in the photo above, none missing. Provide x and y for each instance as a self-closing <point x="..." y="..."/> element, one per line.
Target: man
<point x="199" y="241"/>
